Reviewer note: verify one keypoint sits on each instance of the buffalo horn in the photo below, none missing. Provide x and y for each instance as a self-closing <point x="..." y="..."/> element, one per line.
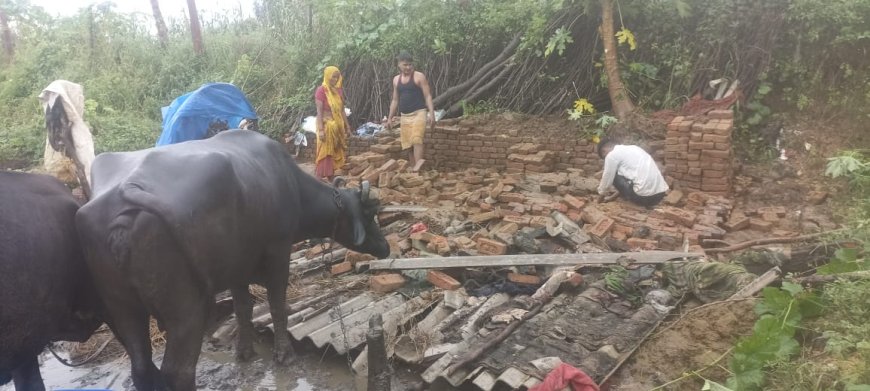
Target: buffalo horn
<point x="339" y="181"/>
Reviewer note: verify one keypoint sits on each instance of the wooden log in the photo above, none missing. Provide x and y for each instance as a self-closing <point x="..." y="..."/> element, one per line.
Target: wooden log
<point x="589" y="259"/>
<point x="379" y="371"/>
<point x="758" y="284"/>
<point x="403" y="208"/>
<point x="758" y="242"/>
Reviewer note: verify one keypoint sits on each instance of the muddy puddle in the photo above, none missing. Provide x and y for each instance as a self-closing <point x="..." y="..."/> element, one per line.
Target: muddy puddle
<point x="217" y="370"/>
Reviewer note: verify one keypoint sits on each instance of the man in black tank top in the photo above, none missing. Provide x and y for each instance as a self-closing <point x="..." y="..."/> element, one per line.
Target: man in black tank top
<point x="412" y="98"/>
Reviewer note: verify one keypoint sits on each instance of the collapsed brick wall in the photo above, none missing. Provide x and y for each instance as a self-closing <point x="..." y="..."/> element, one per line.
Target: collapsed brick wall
<point x="698" y="153"/>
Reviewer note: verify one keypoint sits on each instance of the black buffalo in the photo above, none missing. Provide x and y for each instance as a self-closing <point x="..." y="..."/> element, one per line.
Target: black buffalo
<point x="169" y="227"/>
<point x="46" y="293"/>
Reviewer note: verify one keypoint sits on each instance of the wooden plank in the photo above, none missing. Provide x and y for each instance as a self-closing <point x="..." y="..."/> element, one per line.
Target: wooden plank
<point x="403" y="208"/>
<point x="586" y="259"/>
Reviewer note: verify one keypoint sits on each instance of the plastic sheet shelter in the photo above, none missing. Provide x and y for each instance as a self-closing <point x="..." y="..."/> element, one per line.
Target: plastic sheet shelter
<point x="189" y="116"/>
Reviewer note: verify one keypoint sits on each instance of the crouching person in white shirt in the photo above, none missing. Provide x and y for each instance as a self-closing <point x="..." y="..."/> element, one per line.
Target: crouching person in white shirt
<point x="633" y="173"/>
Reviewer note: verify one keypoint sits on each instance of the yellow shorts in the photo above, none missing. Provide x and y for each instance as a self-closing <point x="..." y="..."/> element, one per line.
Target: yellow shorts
<point x="412" y="128"/>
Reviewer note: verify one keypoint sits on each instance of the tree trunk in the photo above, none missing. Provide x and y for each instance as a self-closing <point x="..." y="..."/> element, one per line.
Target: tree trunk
<point x="619" y="98"/>
<point x="8" y="47"/>
<point x="195" y="29"/>
<point x="162" y="31"/>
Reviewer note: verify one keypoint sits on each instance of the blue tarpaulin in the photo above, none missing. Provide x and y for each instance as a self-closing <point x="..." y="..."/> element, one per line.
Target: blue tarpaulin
<point x="189" y="116"/>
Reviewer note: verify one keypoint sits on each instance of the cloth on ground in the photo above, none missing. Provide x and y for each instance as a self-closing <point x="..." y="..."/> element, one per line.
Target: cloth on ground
<point x="564" y="377"/>
<point x="503" y="287"/>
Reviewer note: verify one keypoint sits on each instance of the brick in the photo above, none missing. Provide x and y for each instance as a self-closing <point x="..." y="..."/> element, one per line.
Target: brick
<point x="412" y="181"/>
<point x="721" y="114"/>
<point x="511" y="197"/>
<point x="642" y="244"/>
<point x="715" y="154"/>
<point x="715" y="138"/>
<point x="491" y="247"/>
<point x="473" y="179"/>
<point x="737" y="223"/>
<point x="575" y="280"/>
<point x="518" y="220"/>
<point x="760" y="225"/>
<point x="439" y="245"/>
<point x="390" y="165"/>
<point x="679" y="216"/>
<point x="443" y="281"/>
<point x="602" y="227"/>
<point x="525" y="279"/>
<point x="385" y="283"/>
<point x="496" y="190"/>
<point x="706" y="231"/>
<point x="771" y="217"/>
<point x="341" y="268"/>
<point x="354" y="257"/>
<point x="483" y="217"/>
<point x="540" y="221"/>
<point x="574" y="202"/>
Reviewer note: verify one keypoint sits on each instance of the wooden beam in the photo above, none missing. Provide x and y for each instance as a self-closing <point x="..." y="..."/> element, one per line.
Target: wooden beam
<point x="586" y="259"/>
<point x="403" y="208"/>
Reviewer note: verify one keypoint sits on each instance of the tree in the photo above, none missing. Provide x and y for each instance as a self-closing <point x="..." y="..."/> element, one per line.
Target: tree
<point x="162" y="32"/>
<point x="619" y="97"/>
<point x="8" y="46"/>
<point x="195" y="29"/>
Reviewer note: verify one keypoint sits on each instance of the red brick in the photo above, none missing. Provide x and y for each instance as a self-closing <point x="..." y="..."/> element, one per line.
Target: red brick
<point x="511" y="197"/>
<point x="526" y="279"/>
<point x="442" y="280"/>
<point x="776" y="210"/>
<point x="390" y="165"/>
<point x="574" y="202"/>
<point x="491" y="247"/>
<point x="715" y="138"/>
<point x="679" y="216"/>
<point x="341" y="268"/>
<point x="439" y="244"/>
<point x="721" y="114"/>
<point x="602" y="227"/>
<point x="518" y="220"/>
<point x="483" y="217"/>
<point x="715" y="154"/>
<point x="385" y="283"/>
<point x="575" y="280"/>
<point x="643" y="244"/>
<point x="540" y="221"/>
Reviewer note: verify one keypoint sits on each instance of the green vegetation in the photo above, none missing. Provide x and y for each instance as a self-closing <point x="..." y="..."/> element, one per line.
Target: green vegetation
<point x="810" y="51"/>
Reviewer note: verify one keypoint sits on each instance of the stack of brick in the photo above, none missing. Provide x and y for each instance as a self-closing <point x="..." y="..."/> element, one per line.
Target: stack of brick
<point x="528" y="157"/>
<point x="698" y="152"/>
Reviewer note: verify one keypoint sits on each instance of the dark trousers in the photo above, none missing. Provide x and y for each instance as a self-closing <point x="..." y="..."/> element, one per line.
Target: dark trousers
<point x="626" y="190"/>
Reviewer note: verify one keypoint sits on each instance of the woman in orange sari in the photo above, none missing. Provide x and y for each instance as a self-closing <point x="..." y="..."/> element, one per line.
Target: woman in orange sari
<point x="332" y="126"/>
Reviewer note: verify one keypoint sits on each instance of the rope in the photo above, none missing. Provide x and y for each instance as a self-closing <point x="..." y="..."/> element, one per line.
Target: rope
<point x="87" y="360"/>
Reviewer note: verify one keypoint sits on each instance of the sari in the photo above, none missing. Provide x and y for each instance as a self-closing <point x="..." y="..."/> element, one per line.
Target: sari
<point x="331" y="152"/>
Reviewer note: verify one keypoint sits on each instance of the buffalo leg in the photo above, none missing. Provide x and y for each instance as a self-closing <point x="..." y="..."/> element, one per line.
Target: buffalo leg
<point x="184" y="330"/>
<point x="130" y="325"/>
<point x="276" y="285"/>
<point x="26" y="376"/>
<point x="243" y="308"/>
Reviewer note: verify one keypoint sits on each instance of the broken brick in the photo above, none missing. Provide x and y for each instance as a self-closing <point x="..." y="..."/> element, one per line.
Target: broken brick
<point x="737" y="223"/>
<point x="518" y="220"/>
<point x="540" y="221"/>
<point x="341" y="268"/>
<point x="491" y="247"/>
<point x="679" y="216"/>
<point x="816" y="197"/>
<point x="511" y="197"/>
<point x="483" y="217"/>
<point x="525" y="279"/>
<point x="548" y="187"/>
<point x="574" y="202"/>
<point x="439" y="244"/>
<point x="602" y="227"/>
<point x="760" y="225"/>
<point x="673" y="198"/>
<point x="385" y="283"/>
<point x="443" y="281"/>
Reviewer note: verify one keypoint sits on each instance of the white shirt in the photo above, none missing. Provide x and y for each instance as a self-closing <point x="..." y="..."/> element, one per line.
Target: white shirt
<point x="633" y="163"/>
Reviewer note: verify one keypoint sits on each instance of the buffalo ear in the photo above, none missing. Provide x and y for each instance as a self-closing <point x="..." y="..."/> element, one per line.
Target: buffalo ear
<point x="359" y="233"/>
